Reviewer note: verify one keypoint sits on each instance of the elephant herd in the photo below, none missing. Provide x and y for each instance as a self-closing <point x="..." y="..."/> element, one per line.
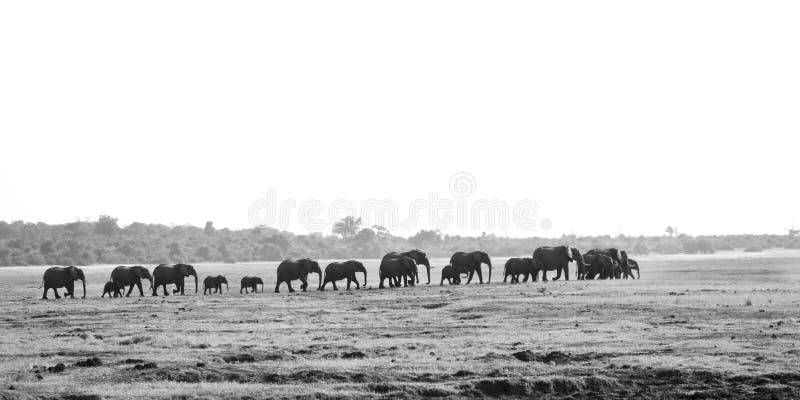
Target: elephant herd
<point x="395" y="267"/>
<point x="594" y="264"/>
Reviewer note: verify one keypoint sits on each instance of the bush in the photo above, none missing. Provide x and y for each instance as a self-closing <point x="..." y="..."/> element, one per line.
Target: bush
<point x="753" y="249"/>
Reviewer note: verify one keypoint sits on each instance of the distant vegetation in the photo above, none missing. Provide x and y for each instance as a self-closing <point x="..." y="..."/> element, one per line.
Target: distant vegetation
<point x="104" y="242"/>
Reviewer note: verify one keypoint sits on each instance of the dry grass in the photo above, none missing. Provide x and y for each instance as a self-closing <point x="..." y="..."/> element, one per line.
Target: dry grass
<point x="681" y="331"/>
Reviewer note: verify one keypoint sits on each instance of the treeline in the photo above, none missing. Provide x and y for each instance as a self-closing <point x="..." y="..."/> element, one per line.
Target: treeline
<point x="104" y="242"/>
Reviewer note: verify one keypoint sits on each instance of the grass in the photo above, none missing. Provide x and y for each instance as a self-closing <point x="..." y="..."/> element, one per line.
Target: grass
<point x="678" y="331"/>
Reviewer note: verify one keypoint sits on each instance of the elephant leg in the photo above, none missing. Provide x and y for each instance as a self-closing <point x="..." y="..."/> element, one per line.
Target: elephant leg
<point x="380" y="285"/>
<point x="304" y="285"/>
<point x="166" y="292"/>
<point x="471" y="274"/>
<point x="480" y="275"/>
<point x="130" y="289"/>
<point x="277" y="286"/>
<point x="544" y="275"/>
<point x="141" y="290"/>
<point x="334" y="285"/>
<point x="44" y="295"/>
<point x="324" y="283"/>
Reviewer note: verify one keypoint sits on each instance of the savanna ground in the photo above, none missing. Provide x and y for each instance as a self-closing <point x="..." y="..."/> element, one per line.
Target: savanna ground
<point x="724" y="325"/>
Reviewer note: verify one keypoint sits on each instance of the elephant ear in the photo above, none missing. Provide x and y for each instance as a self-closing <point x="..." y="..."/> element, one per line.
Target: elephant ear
<point x="75" y="273"/>
<point x="477" y="256"/>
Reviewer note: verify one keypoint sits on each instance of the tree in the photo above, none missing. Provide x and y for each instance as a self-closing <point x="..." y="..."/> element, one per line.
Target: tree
<point x="209" y="229"/>
<point x="425" y="238"/>
<point x="347" y="227"/>
<point x="106" y="226"/>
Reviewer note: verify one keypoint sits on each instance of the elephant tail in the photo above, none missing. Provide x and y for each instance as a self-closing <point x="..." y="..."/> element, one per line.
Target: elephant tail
<point x="42" y="285"/>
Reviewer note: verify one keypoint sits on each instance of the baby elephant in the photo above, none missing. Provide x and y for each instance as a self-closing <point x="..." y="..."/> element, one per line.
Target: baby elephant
<point x="449" y="273"/>
<point x="521" y="266"/>
<point x="112" y="288"/>
<point x="251" y="283"/>
<point x="213" y="284"/>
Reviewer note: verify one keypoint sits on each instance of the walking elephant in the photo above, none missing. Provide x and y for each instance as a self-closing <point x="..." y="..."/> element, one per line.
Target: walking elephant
<point x="471" y="263"/>
<point x="112" y="289"/>
<point x="394" y="269"/>
<point x="164" y="275"/>
<point x="58" y="277"/>
<point x="418" y="256"/>
<point x="213" y="284"/>
<point x="289" y="270"/>
<point x="251" y="283"/>
<point x="598" y="265"/>
<point x="554" y="259"/>
<point x="619" y="256"/>
<point x="521" y="266"/>
<point x="452" y="275"/>
<point x="337" y="271"/>
<point x="131" y="276"/>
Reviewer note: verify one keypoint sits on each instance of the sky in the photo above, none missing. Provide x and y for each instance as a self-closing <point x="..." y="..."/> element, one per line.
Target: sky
<point x="611" y="117"/>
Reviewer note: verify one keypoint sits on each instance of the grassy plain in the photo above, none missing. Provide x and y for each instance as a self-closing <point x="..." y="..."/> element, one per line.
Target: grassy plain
<point x="685" y="330"/>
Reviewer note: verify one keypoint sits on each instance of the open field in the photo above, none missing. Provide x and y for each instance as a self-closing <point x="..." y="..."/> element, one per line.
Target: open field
<point x="682" y="331"/>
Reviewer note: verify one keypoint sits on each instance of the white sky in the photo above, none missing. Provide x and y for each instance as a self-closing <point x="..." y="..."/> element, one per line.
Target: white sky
<point x="188" y="111"/>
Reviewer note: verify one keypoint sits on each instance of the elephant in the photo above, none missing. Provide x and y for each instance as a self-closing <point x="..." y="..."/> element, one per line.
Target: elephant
<point x="471" y="262"/>
<point x="112" y="288"/>
<point x="289" y="270"/>
<point x="619" y="256"/>
<point x="521" y="266"/>
<point x="452" y="276"/>
<point x="418" y="256"/>
<point x="633" y="264"/>
<point x="336" y="271"/>
<point x="58" y="277"/>
<point x="598" y="265"/>
<point x="131" y="276"/>
<point x="213" y="284"/>
<point x="553" y="259"/>
<point x="396" y="268"/>
<point x="251" y="283"/>
<point x="164" y="275"/>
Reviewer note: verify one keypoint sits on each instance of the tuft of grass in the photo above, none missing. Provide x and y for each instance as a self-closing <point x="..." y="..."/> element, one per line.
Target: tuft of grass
<point x="134" y="340"/>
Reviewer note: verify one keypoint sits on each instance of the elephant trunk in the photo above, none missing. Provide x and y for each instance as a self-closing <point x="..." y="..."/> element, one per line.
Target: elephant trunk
<point x="195" y="282"/>
<point x="83" y="281"/>
<point x="227" y="289"/>
<point x="365" y="277"/>
<point x="428" y="269"/>
<point x="151" y="283"/>
<point x="490" y="273"/>
<point x="319" y="283"/>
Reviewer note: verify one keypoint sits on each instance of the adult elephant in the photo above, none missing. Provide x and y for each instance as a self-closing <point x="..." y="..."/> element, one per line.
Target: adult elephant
<point x="598" y="265"/>
<point x="289" y="270"/>
<point x="337" y="271"/>
<point x="131" y="276"/>
<point x="520" y="266"/>
<point x="251" y="283"/>
<point x="58" y="277"/>
<point x="418" y="256"/>
<point x="164" y="275"/>
<point x="213" y="284"/>
<point x="471" y="263"/>
<point x="619" y="256"/>
<point x="554" y="259"/>
<point x="394" y="269"/>
<point x="633" y="264"/>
